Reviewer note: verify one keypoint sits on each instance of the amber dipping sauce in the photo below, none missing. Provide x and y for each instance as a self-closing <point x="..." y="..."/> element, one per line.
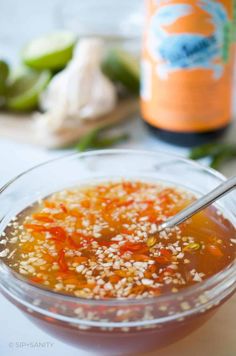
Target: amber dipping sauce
<point x="100" y="241"/>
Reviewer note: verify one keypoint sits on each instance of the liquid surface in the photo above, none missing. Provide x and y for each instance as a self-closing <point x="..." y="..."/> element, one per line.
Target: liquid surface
<point x="100" y="241"/>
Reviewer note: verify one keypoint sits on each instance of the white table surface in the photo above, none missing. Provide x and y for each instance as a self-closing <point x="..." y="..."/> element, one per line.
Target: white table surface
<point x="15" y="328"/>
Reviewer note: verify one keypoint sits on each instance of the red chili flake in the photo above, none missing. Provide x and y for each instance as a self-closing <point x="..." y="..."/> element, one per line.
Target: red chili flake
<point x="125" y="232"/>
<point x="105" y="243"/>
<point x="164" y="196"/>
<point x="48" y="258"/>
<point x="152" y="268"/>
<point x="162" y="260"/>
<point x="85" y="204"/>
<point x="165" y="256"/>
<point x="148" y="202"/>
<point x="62" y="274"/>
<point x="76" y="213"/>
<point x="73" y="243"/>
<point x="114" y="279"/>
<point x="42" y="217"/>
<point x="138" y="289"/>
<point x="152" y="216"/>
<point x="109" y="203"/>
<point x="147" y="274"/>
<point x="86" y="238"/>
<point x="36" y="234"/>
<point x="166" y="253"/>
<point x="62" y="262"/>
<point x="80" y="259"/>
<point x="121" y="273"/>
<point x="59" y="216"/>
<point x="36" y="279"/>
<point x="49" y="204"/>
<point x="58" y="232"/>
<point x="132" y="247"/>
<point x="125" y="203"/>
<point x="140" y="257"/>
<point x="59" y="242"/>
<point x="92" y="219"/>
<point x="214" y="250"/>
<point x="63" y="208"/>
<point x="35" y="227"/>
<point x="128" y="187"/>
<point x="144" y="249"/>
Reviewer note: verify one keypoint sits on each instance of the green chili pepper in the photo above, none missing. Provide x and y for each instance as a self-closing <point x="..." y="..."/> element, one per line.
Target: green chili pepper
<point x="205" y="150"/>
<point x="218" y="153"/>
<point x="110" y="141"/>
<point x="87" y="141"/>
<point x="98" y="139"/>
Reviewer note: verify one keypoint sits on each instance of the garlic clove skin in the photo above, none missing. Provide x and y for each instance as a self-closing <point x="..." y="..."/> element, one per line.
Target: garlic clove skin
<point x="79" y="92"/>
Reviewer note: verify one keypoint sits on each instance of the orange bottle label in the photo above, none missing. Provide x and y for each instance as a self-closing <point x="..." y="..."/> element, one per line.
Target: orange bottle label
<point x="187" y="64"/>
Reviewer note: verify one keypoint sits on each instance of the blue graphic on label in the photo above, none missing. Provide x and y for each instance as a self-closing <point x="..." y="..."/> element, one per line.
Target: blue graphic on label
<point x="187" y="51"/>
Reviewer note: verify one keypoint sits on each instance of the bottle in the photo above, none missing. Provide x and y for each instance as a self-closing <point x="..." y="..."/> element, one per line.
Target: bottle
<point x="187" y="69"/>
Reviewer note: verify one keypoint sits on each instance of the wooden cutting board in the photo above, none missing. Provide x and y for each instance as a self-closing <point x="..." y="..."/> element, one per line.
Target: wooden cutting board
<point x="22" y="127"/>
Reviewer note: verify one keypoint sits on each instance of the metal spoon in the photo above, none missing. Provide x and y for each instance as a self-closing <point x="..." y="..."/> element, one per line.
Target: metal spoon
<point x="199" y="204"/>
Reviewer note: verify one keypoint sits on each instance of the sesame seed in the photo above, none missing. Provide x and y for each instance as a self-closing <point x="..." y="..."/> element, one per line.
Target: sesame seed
<point x="185" y="306"/>
<point x="80" y="268"/>
<point x="147" y="282"/>
<point x="4" y="253"/>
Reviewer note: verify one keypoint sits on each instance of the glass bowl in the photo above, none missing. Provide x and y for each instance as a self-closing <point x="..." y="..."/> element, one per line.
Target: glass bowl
<point x="115" y="327"/>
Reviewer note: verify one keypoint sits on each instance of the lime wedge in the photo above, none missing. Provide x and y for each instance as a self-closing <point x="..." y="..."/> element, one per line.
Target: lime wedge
<point x="120" y="66"/>
<point x="23" y="92"/>
<point x="4" y="73"/>
<point x="52" y="51"/>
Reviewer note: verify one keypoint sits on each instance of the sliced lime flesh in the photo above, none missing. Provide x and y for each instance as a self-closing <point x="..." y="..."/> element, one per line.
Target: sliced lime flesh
<point x="4" y="73"/>
<point x="23" y="93"/>
<point x="52" y="51"/>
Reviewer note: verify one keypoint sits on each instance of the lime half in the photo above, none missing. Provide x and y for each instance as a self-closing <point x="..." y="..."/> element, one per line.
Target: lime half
<point x="23" y="92"/>
<point x="4" y="73"/>
<point x="120" y="66"/>
<point x="52" y="51"/>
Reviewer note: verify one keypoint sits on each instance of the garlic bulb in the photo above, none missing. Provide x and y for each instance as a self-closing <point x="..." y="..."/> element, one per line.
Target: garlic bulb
<point x="79" y="92"/>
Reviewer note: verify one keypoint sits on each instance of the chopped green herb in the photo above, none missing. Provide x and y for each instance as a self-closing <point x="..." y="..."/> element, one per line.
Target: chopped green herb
<point x="151" y="241"/>
<point x="194" y="246"/>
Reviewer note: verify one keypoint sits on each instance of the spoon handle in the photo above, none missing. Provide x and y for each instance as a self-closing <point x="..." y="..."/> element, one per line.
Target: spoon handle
<point x="199" y="204"/>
